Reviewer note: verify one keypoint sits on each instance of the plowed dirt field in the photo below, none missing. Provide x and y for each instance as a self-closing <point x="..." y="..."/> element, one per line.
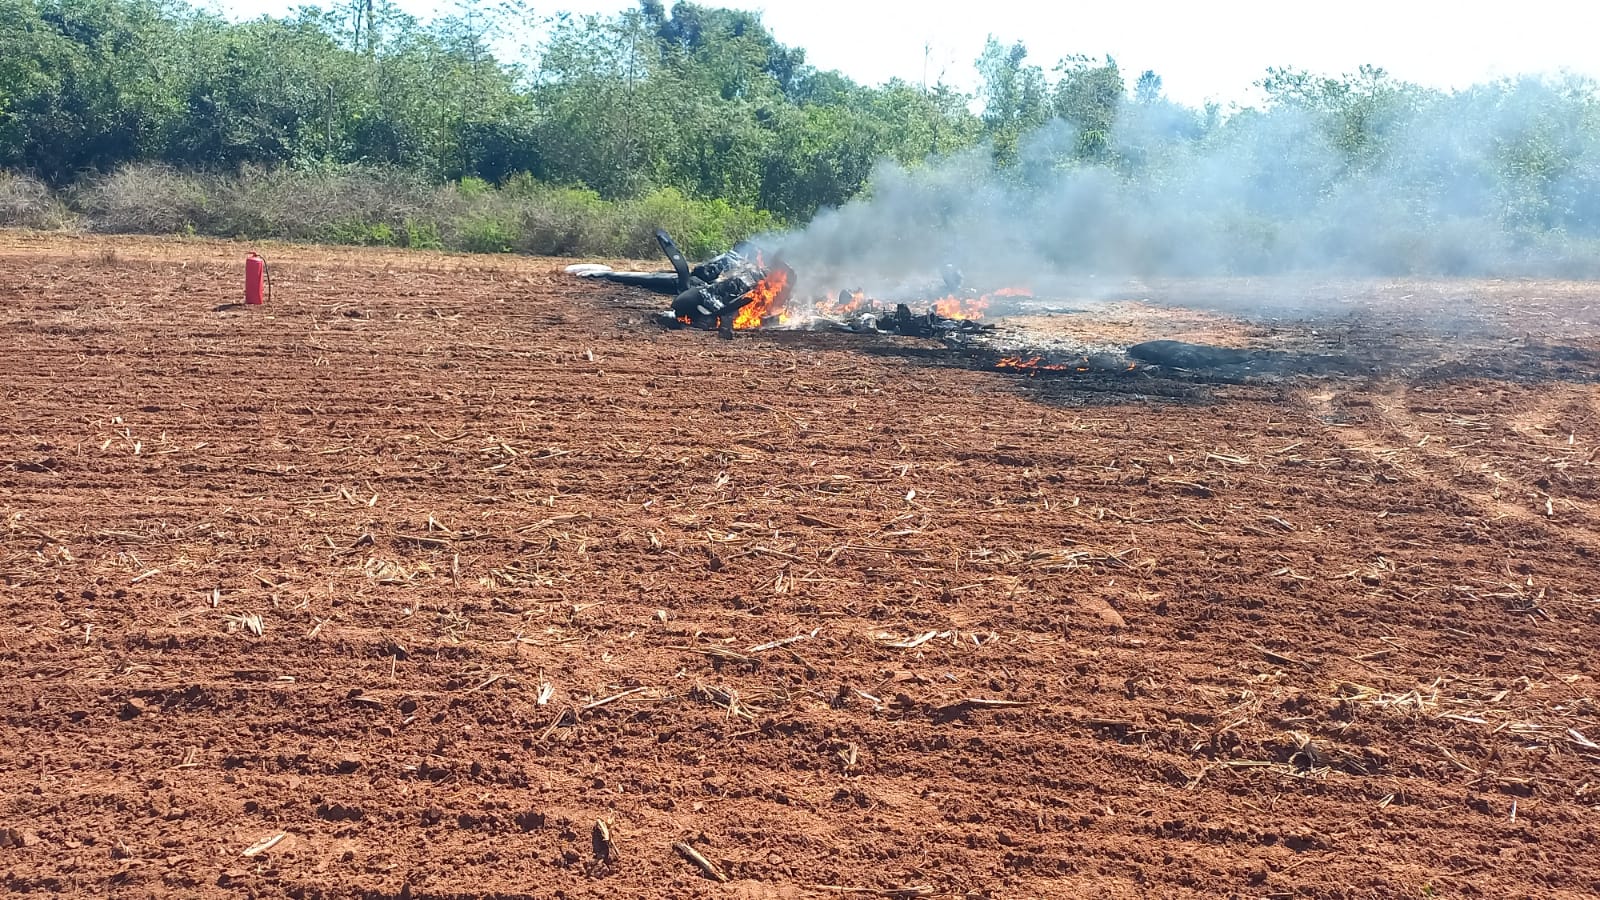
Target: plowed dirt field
<point x="443" y="576"/>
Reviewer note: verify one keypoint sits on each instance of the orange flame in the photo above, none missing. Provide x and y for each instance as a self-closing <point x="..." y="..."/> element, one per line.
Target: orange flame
<point x="767" y="298"/>
<point x="974" y="308"/>
<point x="771" y="295"/>
<point x="971" y="308"/>
<point x="1033" y="365"/>
<point x="844" y="304"/>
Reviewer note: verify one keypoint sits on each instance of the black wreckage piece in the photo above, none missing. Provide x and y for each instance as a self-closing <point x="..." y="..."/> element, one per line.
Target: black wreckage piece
<point x="929" y="324"/>
<point x="680" y="265"/>
<point x="659" y="282"/>
<point x="722" y="297"/>
<point x="709" y="296"/>
<point x="683" y="277"/>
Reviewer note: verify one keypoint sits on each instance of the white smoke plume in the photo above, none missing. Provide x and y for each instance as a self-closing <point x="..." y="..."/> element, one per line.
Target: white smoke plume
<point x="1500" y="179"/>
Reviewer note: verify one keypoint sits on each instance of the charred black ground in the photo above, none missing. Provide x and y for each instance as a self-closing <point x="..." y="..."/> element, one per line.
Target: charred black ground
<point x="1302" y="329"/>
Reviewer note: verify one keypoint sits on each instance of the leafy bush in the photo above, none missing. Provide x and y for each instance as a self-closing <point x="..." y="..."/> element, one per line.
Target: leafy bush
<point x="487" y="235"/>
<point x="385" y="207"/>
<point x="566" y="221"/>
<point x="420" y="235"/>
<point x="472" y="187"/>
<point x="360" y="233"/>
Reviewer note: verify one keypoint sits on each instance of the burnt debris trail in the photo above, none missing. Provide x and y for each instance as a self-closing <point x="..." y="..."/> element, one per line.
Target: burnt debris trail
<point x="1338" y="332"/>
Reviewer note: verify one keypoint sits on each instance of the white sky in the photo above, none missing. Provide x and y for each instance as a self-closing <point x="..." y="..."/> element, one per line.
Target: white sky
<point x="1202" y="50"/>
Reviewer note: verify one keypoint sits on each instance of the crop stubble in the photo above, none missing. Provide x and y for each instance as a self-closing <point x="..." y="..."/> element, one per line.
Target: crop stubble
<point x="449" y="577"/>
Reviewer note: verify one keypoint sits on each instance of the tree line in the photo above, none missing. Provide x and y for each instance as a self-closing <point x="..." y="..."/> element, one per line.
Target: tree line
<point x="699" y="99"/>
<point x="695" y="111"/>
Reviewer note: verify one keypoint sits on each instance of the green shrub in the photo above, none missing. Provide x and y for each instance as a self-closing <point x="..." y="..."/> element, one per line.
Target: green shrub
<point x="387" y="207"/>
<point x="522" y="184"/>
<point x="422" y="235"/>
<point x="362" y="234"/>
<point x="702" y="227"/>
<point x="487" y="236"/>
<point x="565" y="222"/>
<point x="472" y="187"/>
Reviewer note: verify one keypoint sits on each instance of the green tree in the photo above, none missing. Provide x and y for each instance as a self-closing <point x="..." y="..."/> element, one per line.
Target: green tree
<point x="1359" y="113"/>
<point x="609" y="106"/>
<point x="1014" y="97"/>
<point x="1089" y="96"/>
<point x="93" y="83"/>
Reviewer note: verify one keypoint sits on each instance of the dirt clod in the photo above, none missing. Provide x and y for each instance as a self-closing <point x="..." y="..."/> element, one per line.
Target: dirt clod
<point x="843" y="615"/>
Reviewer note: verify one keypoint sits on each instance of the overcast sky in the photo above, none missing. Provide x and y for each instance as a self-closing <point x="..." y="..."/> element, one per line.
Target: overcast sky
<point x="1202" y="50"/>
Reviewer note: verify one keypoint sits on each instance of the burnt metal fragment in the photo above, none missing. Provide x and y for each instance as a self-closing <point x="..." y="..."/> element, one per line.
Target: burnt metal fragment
<point x="680" y="265"/>
<point x="660" y="282"/>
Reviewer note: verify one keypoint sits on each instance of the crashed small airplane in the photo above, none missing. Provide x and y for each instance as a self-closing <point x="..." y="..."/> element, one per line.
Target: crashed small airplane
<point x="740" y="290"/>
<point x="714" y="294"/>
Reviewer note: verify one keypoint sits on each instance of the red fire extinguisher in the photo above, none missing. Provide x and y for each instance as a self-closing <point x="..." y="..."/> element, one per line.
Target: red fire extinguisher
<point x="257" y="283"/>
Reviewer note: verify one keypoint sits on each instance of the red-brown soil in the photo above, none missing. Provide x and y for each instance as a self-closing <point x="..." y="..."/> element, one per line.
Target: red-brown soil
<point x="521" y="563"/>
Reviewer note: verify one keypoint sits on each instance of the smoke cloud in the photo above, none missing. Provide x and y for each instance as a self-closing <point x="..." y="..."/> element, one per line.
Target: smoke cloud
<point x="1500" y="179"/>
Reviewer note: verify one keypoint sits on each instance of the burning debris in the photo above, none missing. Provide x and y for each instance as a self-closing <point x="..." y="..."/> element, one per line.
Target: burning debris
<point x="1035" y="365"/>
<point x="739" y="291"/>
<point x="714" y="294"/>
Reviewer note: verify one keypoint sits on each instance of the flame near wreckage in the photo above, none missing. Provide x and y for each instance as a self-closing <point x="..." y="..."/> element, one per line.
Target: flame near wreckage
<point x="772" y="295"/>
<point x="739" y="290"/>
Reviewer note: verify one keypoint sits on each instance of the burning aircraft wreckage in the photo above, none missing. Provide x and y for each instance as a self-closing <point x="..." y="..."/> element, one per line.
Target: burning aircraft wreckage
<point x="741" y="291"/>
